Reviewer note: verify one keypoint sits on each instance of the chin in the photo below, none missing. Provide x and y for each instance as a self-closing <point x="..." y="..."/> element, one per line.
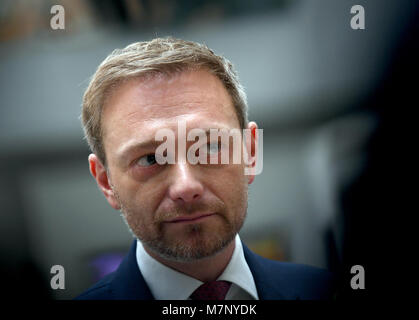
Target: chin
<point x="196" y="244"/>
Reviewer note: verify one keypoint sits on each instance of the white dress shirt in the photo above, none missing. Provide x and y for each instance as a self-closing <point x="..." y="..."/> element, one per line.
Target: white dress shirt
<point x="166" y="283"/>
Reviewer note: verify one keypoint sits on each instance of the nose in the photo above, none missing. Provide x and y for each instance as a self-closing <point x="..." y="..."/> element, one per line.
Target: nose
<point x="185" y="187"/>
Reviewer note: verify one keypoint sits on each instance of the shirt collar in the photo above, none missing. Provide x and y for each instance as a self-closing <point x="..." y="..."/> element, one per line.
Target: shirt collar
<point x="168" y="284"/>
<point x="238" y="272"/>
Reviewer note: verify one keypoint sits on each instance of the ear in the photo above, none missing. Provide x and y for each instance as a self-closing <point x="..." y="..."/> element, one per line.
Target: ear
<point x="98" y="171"/>
<point x="251" y="143"/>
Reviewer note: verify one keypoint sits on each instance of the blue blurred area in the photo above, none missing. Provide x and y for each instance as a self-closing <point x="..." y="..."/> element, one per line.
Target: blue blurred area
<point x="331" y="101"/>
<point x="105" y="263"/>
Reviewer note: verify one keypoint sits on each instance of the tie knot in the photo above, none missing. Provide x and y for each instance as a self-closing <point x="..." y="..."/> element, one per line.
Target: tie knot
<point x="213" y="290"/>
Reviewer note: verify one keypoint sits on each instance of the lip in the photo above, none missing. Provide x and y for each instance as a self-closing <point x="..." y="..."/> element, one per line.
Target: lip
<point x="191" y="218"/>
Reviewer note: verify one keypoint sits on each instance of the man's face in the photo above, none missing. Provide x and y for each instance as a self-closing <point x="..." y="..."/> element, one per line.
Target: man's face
<point x="180" y="211"/>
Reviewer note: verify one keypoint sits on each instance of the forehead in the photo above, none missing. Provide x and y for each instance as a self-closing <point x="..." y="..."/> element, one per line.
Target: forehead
<point x="142" y="106"/>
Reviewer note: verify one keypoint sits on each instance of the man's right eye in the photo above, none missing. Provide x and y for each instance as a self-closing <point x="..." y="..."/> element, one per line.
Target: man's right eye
<point x="147" y="160"/>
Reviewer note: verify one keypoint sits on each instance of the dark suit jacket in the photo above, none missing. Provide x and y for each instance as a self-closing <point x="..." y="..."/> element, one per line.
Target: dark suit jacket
<point x="274" y="281"/>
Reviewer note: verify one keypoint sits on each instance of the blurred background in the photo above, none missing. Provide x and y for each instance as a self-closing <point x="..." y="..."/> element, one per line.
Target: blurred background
<point x="331" y="101"/>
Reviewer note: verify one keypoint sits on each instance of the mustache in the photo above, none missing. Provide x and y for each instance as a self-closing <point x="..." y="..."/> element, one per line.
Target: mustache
<point x="174" y="211"/>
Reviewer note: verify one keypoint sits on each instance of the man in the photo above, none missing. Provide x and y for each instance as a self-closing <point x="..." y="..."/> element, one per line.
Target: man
<point x="185" y="216"/>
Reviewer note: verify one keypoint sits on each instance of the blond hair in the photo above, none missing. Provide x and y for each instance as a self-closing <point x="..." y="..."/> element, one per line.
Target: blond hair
<point x="148" y="58"/>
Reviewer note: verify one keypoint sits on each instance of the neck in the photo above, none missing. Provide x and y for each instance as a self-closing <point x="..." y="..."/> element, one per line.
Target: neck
<point x="199" y="269"/>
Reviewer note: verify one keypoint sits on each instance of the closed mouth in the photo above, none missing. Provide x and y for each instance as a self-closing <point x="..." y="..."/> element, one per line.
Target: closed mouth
<point x="190" y="218"/>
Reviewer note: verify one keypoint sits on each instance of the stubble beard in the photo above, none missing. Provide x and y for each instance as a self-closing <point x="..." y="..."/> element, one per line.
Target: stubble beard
<point x="203" y="243"/>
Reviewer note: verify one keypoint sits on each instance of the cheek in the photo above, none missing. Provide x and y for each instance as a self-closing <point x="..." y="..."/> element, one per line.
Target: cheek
<point x="137" y="196"/>
<point x="231" y="187"/>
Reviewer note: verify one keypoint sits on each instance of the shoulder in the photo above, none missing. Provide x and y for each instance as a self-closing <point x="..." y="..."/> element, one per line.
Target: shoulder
<point x="99" y="291"/>
<point x="302" y="281"/>
<point x="125" y="283"/>
<point x="285" y="280"/>
<point x="295" y="270"/>
<point x="301" y="274"/>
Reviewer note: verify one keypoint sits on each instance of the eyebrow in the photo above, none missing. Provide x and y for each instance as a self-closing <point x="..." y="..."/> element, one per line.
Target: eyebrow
<point x="131" y="147"/>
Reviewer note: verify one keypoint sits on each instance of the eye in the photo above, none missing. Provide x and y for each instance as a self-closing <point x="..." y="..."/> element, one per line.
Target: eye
<point x="213" y="148"/>
<point x="147" y="160"/>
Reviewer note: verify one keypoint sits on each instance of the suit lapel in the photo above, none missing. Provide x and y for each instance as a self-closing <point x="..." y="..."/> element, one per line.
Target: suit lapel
<point x="129" y="283"/>
<point x="267" y="279"/>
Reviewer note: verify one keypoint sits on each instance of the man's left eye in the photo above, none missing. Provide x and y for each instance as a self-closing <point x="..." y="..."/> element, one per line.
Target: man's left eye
<point x="213" y="148"/>
<point x="147" y="160"/>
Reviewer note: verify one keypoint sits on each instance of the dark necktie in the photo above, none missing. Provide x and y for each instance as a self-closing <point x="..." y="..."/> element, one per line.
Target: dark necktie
<point x="213" y="290"/>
